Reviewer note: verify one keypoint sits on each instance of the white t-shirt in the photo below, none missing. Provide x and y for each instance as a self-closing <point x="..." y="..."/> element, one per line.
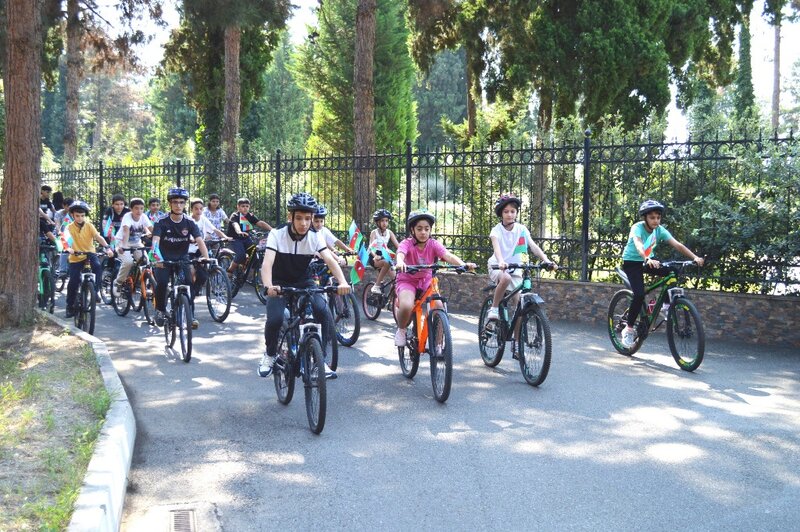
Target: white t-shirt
<point x="206" y="231"/>
<point x="329" y="238"/>
<point x="385" y="238"/>
<point x="292" y="256"/>
<point x="517" y="237"/>
<point x="135" y="229"/>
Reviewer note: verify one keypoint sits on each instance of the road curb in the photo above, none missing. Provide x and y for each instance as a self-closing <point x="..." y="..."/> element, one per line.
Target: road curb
<point x="100" y="502"/>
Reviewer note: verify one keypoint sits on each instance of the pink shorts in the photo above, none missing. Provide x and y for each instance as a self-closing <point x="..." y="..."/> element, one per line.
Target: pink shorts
<point x="412" y="284"/>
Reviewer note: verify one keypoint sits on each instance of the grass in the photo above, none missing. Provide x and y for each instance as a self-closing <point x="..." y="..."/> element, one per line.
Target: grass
<point x="52" y="406"/>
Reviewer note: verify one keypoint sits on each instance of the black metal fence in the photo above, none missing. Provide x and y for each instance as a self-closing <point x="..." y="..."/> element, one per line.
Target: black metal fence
<point x="734" y="200"/>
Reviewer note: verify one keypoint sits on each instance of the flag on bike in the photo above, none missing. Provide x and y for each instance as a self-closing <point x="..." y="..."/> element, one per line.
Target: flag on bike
<point x="155" y="254"/>
<point x="354" y="236"/>
<point x="66" y="239"/>
<point x="649" y="244"/>
<point x="65" y="222"/>
<point x="357" y="272"/>
<point x="246" y="225"/>
<point x="363" y="255"/>
<point x="383" y="251"/>
<point x="108" y="230"/>
<point x="521" y="247"/>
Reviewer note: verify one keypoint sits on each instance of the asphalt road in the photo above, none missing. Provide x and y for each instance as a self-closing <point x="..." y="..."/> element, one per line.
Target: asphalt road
<point x="607" y="442"/>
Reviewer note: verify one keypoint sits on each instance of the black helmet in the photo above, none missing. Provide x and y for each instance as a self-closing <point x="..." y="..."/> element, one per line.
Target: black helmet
<point x="322" y="212"/>
<point x="178" y="193"/>
<point x="79" y="205"/>
<point x="504" y="200"/>
<point x="650" y="206"/>
<point x="303" y="202"/>
<point x="381" y="213"/>
<point x="415" y="216"/>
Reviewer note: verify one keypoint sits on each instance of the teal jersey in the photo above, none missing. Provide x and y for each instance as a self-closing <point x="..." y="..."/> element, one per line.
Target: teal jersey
<point x="651" y="240"/>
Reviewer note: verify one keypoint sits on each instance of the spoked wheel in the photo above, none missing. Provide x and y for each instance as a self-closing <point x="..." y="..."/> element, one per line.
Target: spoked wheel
<point x="618" y="320"/>
<point x="183" y="322"/>
<point x="257" y="284"/>
<point x="535" y="347"/>
<point x="440" y="347"/>
<point x="371" y="303"/>
<point x="169" y="320"/>
<point x="137" y="297"/>
<point x="148" y="289"/>
<point x="409" y="356"/>
<point x="122" y="300"/>
<point x="490" y="338"/>
<point x="106" y="280"/>
<point x="315" y="384"/>
<point x="346" y="318"/>
<point x="88" y="307"/>
<point x="61" y="282"/>
<point x="685" y="334"/>
<point x="284" y="372"/>
<point x="332" y="348"/>
<point x="218" y="294"/>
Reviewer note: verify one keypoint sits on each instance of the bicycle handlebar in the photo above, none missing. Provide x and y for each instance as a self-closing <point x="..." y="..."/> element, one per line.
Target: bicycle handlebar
<point x="435" y="267"/>
<point x="549" y="266"/>
<point x="290" y="290"/>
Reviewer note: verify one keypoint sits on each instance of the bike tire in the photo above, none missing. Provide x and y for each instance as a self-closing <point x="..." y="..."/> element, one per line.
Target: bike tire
<point x="285" y="375"/>
<point x="50" y="291"/>
<point x="440" y="348"/>
<point x="148" y="286"/>
<point x="370" y="302"/>
<point x="346" y="318"/>
<point x="535" y="346"/>
<point x="618" y="320"/>
<point x="332" y="350"/>
<point x="88" y="306"/>
<point x="393" y="305"/>
<point x="169" y="319"/>
<point x="409" y="356"/>
<point x="315" y="383"/>
<point x="137" y="297"/>
<point x="490" y="341"/>
<point x="257" y="284"/>
<point x="685" y="334"/>
<point x="106" y="280"/>
<point x="61" y="282"/>
<point x="218" y="294"/>
<point x="121" y="302"/>
<point x="183" y="322"/>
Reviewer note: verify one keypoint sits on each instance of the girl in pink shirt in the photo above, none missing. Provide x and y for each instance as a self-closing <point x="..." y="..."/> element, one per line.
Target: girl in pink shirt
<point x="419" y="249"/>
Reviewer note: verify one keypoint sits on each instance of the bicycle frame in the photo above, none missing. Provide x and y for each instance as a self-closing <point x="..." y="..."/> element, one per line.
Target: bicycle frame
<point x="419" y="314"/>
<point x="663" y="286"/>
<point x="527" y="297"/>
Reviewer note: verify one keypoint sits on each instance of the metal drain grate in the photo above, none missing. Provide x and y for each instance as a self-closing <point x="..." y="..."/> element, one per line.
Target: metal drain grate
<point x="182" y="521"/>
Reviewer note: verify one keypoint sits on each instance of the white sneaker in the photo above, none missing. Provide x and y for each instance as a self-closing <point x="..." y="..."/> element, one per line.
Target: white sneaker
<point x="400" y="337"/>
<point x="493" y="314"/>
<point x="329" y="373"/>
<point x="265" y="367"/>
<point x="628" y="338"/>
<point x="375" y="290"/>
<point x="115" y="289"/>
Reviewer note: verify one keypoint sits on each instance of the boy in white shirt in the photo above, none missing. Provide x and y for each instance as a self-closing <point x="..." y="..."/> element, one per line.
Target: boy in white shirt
<point x="330" y="239"/>
<point x="133" y="227"/>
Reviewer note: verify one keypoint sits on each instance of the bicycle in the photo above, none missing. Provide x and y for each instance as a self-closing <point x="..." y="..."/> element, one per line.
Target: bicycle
<point x="135" y="282"/>
<point x="46" y="297"/>
<point x="344" y="309"/>
<point x="685" y="334"/>
<point x="218" y="292"/>
<point x="178" y="309"/>
<point x="250" y="271"/>
<point x="110" y="267"/>
<point x="431" y="328"/>
<point x="374" y="303"/>
<point x="87" y="295"/>
<point x="529" y="323"/>
<point x="300" y="355"/>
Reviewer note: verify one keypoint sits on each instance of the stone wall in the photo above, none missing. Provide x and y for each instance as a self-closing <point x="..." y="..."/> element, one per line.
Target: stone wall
<point x="766" y="320"/>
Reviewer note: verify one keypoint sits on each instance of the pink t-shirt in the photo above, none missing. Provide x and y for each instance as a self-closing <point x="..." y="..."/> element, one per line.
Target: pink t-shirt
<point x="432" y="252"/>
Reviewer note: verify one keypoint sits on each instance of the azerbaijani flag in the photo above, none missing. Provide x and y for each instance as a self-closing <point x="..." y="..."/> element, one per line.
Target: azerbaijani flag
<point x="65" y="222"/>
<point x="521" y="247"/>
<point x="649" y="245"/>
<point x="66" y="239"/>
<point x="354" y="236"/>
<point x="356" y="273"/>
<point x="108" y="230"/>
<point x="383" y="251"/>
<point x="245" y="223"/>
<point x="363" y="255"/>
<point x="155" y="254"/>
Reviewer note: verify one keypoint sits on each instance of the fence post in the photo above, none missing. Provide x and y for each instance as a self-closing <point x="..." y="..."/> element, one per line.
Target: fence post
<point x="585" y="223"/>
<point x="277" y="188"/>
<point x="101" y="193"/>
<point x="408" y="180"/>
<point x="178" y="173"/>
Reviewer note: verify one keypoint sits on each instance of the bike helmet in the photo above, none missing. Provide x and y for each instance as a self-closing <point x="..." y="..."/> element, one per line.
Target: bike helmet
<point x="322" y="212"/>
<point x="504" y="200"/>
<point x="416" y="216"/>
<point x="79" y="205"/>
<point x="650" y="206"/>
<point x="178" y="193"/>
<point x="303" y="202"/>
<point x="381" y="213"/>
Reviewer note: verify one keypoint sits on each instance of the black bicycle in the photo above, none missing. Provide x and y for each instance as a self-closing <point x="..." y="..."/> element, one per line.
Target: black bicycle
<point x="344" y="309"/>
<point x="87" y="295"/>
<point x="178" y="308"/>
<point x="300" y="355"/>
<point x="685" y="334"/>
<point x="528" y="328"/>
<point x="250" y="271"/>
<point x="218" y="292"/>
<point x="46" y="297"/>
<point x="374" y="303"/>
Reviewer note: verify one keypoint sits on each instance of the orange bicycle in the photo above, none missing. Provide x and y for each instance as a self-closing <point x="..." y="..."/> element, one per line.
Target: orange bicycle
<point x="430" y="332"/>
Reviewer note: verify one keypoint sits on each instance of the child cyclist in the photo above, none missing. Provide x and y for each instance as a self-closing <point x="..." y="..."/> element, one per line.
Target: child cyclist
<point x="329" y="238"/>
<point x="239" y="225"/>
<point x="638" y="259"/>
<point x="83" y="237"/>
<point x="289" y="251"/>
<point x="509" y="240"/>
<point x="380" y="238"/>
<point x="155" y="213"/>
<point x="133" y="227"/>
<point x="417" y="249"/>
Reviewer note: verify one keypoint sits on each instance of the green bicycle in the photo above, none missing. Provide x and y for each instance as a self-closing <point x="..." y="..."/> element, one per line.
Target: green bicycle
<point x="685" y="333"/>
<point x="46" y="296"/>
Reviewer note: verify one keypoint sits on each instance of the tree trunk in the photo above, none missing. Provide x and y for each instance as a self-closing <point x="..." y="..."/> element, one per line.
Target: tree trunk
<point x="776" y="78"/>
<point x="102" y="85"/>
<point x="538" y="194"/>
<point x="472" y="88"/>
<point x="74" y="67"/>
<point x="233" y="92"/>
<point x="18" y="225"/>
<point x="364" y="110"/>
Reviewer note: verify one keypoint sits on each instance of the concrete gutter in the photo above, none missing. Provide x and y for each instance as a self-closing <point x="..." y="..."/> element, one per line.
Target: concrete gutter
<point x="100" y="502"/>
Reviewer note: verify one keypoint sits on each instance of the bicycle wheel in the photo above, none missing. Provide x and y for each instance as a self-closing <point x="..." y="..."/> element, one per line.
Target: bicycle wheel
<point x="169" y="318"/>
<point x="148" y="288"/>
<point x="440" y="347"/>
<point x="61" y="282"/>
<point x="371" y="303"/>
<point x="88" y="306"/>
<point x="183" y="322"/>
<point x="490" y="340"/>
<point x="137" y="297"/>
<point x="106" y="280"/>
<point x="315" y="384"/>
<point x="685" y="334"/>
<point x="50" y="291"/>
<point x="257" y="284"/>
<point x="393" y="305"/>
<point x="122" y="301"/>
<point x="346" y="318"/>
<point x="332" y="349"/>
<point x="408" y="354"/>
<point x="218" y="294"/>
<point x="535" y="346"/>
<point x="285" y="372"/>
<point x="618" y="320"/>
